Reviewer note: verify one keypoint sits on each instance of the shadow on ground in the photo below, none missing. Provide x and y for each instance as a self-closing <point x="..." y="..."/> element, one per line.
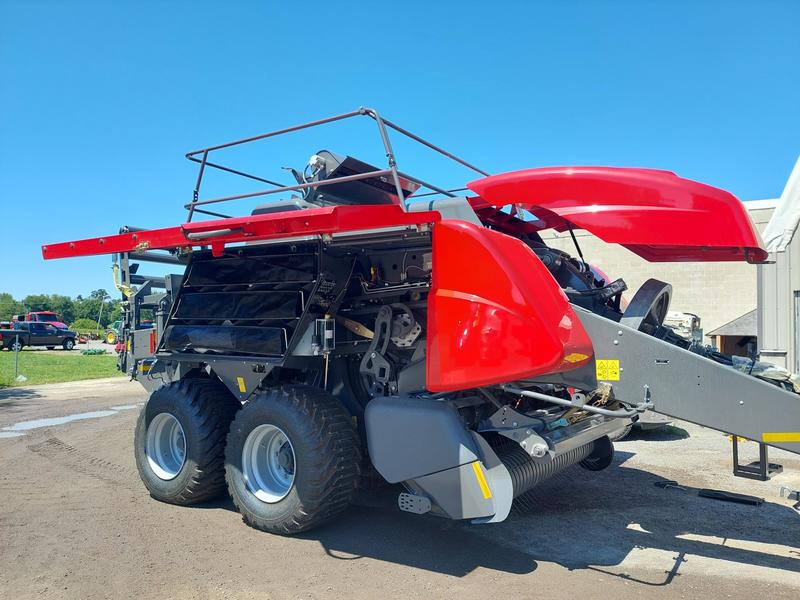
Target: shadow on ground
<point x="580" y="520"/>
<point x="16" y="399"/>
<point x="670" y="433"/>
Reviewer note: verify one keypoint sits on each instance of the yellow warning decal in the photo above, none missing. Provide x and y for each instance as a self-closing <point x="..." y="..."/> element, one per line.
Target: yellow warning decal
<point x="240" y="381"/>
<point x="786" y="436"/>
<point x="575" y="357"/>
<point x="607" y="370"/>
<point x="476" y="466"/>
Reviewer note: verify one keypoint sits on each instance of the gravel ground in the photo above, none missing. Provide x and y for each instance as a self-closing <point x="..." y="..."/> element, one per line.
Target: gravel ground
<point x="75" y="522"/>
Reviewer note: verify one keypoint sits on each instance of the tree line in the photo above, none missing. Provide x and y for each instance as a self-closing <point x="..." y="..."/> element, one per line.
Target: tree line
<point x="70" y="309"/>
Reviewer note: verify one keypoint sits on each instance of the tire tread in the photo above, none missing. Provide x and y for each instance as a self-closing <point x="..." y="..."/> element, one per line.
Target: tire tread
<point x="214" y="408"/>
<point x="334" y="476"/>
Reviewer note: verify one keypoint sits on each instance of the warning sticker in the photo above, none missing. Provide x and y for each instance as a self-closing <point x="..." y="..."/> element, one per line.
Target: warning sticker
<point x="607" y="370"/>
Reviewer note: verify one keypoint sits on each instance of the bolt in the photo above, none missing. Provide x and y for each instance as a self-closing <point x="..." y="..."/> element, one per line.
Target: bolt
<point x="373" y="355"/>
<point x="529" y="432"/>
<point x="539" y="450"/>
<point x="741" y="402"/>
<point x="619" y="332"/>
<point x="616" y="342"/>
<point x="514" y="424"/>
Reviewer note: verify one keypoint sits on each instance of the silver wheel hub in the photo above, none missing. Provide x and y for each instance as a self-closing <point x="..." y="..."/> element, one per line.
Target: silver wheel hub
<point x="268" y="463"/>
<point x="166" y="446"/>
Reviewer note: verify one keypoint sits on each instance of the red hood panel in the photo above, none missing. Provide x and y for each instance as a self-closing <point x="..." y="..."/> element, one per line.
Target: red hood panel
<point x="656" y="214"/>
<point x="495" y="313"/>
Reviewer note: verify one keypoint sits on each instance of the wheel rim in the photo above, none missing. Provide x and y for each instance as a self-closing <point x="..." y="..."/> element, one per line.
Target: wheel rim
<point x="268" y="463"/>
<point x="166" y="446"/>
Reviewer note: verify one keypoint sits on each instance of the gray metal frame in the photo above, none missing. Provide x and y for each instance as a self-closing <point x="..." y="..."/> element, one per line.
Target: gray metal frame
<point x="687" y="386"/>
<point x="201" y="157"/>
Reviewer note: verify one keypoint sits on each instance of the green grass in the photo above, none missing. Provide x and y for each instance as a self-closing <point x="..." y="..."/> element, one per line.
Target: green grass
<point x="55" y="367"/>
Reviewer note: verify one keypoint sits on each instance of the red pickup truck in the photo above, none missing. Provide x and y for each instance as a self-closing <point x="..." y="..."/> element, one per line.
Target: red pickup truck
<point x="43" y="316"/>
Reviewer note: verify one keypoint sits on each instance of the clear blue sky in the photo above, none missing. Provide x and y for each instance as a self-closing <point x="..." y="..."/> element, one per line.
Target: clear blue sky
<point x="100" y="101"/>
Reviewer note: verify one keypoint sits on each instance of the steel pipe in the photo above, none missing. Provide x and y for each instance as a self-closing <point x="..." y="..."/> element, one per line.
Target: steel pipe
<point x="622" y="412"/>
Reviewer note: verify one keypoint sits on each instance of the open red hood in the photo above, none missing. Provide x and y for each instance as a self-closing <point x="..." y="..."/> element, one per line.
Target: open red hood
<point x="656" y="214"/>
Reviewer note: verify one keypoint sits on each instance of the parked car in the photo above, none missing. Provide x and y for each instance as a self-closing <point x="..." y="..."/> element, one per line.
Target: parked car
<point x="34" y="333"/>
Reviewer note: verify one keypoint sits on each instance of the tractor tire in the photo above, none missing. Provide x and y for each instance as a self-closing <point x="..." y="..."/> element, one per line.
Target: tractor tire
<point x="292" y="460"/>
<point x="111" y="338"/>
<point x="180" y="440"/>
<point x="68" y="344"/>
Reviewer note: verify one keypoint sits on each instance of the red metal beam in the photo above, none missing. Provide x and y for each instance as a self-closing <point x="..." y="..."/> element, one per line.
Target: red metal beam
<point x="217" y="233"/>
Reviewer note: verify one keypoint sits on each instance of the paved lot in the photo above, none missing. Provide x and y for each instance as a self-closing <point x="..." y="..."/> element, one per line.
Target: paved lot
<point x="76" y="523"/>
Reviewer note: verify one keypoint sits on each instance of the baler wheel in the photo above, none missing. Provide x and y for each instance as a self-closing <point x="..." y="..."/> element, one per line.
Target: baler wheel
<point x="292" y="459"/>
<point x="180" y="440"/>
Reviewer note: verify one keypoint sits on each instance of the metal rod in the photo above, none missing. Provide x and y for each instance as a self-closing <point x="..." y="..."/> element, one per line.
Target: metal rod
<point x="430" y="186"/>
<point x="577" y="246"/>
<point x="196" y="192"/>
<point x="433" y="193"/>
<point x="208" y="163"/>
<point x="442" y="151"/>
<point x="556" y="400"/>
<point x="277" y="132"/>
<point x="16" y="356"/>
<point x="212" y="213"/>
<point x="387" y="145"/>
<point x="215" y="233"/>
<point x="153" y="256"/>
<point x="299" y="186"/>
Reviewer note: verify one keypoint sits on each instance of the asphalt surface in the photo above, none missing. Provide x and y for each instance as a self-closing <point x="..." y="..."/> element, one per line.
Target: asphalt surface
<point x="75" y="522"/>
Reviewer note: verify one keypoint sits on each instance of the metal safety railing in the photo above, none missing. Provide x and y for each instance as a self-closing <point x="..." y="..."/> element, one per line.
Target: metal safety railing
<point x="201" y="157"/>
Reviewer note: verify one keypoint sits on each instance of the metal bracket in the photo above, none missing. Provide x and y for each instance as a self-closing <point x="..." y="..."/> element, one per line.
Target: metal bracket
<point x="520" y="428"/>
<point x="374" y="364"/>
<point x="762" y="469"/>
<point x="419" y="505"/>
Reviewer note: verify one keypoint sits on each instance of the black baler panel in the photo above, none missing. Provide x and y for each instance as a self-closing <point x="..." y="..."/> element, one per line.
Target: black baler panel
<point x="226" y="339"/>
<point x="253" y="270"/>
<point x="239" y="305"/>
